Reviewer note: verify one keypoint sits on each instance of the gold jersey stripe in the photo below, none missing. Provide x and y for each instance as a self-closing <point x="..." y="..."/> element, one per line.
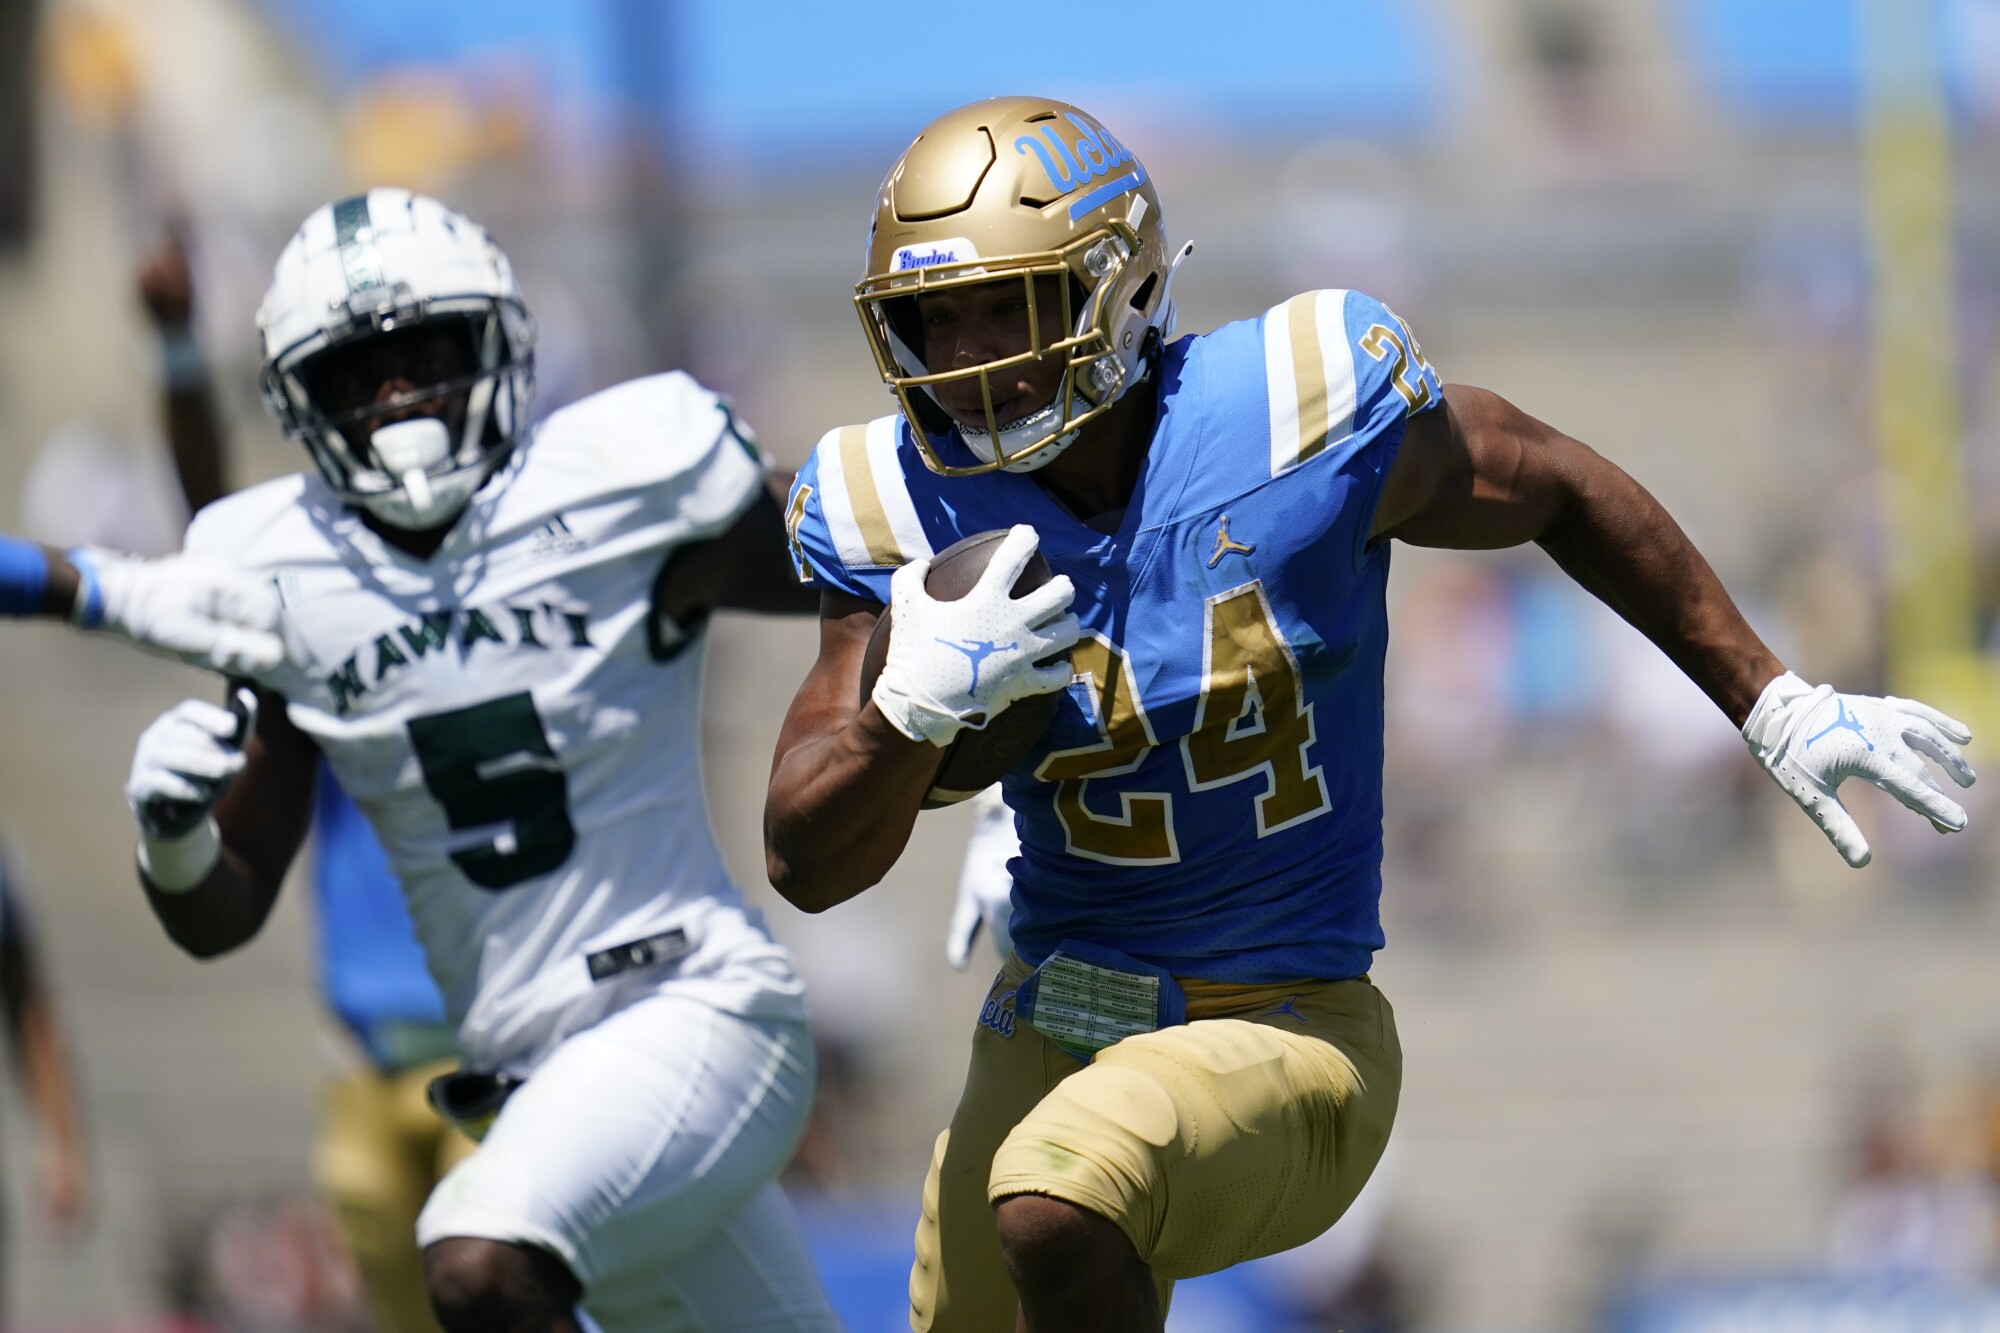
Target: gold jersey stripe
<point x="865" y="501"/>
<point x="795" y="514"/>
<point x="1308" y="372"/>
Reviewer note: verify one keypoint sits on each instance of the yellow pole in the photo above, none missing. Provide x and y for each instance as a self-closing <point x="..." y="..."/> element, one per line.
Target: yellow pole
<point x="1906" y="166"/>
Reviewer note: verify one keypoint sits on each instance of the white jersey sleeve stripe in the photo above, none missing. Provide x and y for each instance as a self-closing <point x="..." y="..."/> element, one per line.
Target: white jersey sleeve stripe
<point x="1282" y="387"/>
<point x="1309" y="374"/>
<point x="873" y="525"/>
<point x="853" y="512"/>
<point x="795" y="513"/>
<point x="893" y="495"/>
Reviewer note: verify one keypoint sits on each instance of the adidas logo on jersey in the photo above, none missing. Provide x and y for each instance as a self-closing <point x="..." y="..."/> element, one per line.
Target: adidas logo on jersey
<point x="555" y="538"/>
<point x="536" y="628"/>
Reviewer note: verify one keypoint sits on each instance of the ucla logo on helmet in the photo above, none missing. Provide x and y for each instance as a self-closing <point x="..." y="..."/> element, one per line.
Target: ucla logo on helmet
<point x="955" y="250"/>
<point x="1072" y="165"/>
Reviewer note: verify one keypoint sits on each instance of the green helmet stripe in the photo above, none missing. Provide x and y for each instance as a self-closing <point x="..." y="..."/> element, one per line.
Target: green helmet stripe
<point x="354" y="233"/>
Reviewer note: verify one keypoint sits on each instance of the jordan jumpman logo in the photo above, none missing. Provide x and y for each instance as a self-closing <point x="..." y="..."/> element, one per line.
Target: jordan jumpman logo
<point x="978" y="650"/>
<point x="1841" y="722"/>
<point x="1223" y="545"/>
<point x="1285" y="1009"/>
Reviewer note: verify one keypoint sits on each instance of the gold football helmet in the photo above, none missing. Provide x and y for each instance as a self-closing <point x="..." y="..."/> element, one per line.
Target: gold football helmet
<point x="1019" y="188"/>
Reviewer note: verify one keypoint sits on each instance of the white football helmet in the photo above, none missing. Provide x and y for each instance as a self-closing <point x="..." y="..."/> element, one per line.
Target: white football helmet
<point x="397" y="348"/>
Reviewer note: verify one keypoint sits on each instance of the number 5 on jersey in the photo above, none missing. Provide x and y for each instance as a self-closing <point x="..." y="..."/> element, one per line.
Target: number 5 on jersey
<point x="491" y="764"/>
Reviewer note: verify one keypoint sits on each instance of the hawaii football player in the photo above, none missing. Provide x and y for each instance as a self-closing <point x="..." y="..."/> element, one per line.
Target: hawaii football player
<point x="190" y="606"/>
<point x="497" y="635"/>
<point x="381" y="1148"/>
<point x="1185" y="1066"/>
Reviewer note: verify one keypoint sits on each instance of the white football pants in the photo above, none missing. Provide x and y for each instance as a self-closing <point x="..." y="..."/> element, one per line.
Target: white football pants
<point x="642" y="1153"/>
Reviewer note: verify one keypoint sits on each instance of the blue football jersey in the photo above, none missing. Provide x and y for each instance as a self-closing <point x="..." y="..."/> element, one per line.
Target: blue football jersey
<point x="1209" y="796"/>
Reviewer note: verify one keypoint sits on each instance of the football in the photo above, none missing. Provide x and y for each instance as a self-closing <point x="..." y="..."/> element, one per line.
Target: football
<point x="976" y="759"/>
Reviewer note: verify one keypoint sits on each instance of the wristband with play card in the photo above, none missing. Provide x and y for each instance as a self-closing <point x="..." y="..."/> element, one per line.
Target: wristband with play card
<point x="1085" y="997"/>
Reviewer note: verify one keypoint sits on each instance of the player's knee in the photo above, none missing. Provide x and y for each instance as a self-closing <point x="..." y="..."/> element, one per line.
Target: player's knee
<point x="489" y="1286"/>
<point x="1049" y="1241"/>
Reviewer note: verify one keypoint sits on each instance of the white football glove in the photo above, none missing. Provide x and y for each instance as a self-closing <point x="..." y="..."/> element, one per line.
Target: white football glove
<point x="183" y="763"/>
<point x="953" y="665"/>
<point x="1810" y="739"/>
<point x="985" y="889"/>
<point x="200" y="609"/>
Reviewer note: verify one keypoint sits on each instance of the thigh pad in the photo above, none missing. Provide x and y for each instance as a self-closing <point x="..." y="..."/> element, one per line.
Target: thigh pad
<point x="1232" y="1136"/>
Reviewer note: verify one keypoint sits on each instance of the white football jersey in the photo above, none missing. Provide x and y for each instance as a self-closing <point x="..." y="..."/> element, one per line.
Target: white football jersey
<point x="502" y="714"/>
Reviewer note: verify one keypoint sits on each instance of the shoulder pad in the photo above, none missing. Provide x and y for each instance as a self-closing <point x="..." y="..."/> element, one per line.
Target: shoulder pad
<point x="1338" y="364"/>
<point x="242" y="526"/>
<point x="867" y="515"/>
<point x="639" y="432"/>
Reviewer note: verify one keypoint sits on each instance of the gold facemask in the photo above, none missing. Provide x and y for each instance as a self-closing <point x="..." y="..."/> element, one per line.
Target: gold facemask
<point x="1013" y="189"/>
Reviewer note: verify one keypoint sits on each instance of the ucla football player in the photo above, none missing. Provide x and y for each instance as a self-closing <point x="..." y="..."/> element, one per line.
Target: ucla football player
<point x="1185" y="1066"/>
<point x="193" y="607"/>
<point x="497" y="636"/>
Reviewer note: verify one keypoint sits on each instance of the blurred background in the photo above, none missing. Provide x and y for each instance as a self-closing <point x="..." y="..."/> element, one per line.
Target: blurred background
<point x="1671" y="1066"/>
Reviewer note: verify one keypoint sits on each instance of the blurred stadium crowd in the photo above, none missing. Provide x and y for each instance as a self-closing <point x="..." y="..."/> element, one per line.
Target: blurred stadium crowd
<point x="1667" y="1057"/>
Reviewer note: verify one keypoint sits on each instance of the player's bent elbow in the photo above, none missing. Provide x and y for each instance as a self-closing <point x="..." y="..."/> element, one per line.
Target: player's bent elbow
<point x="199" y="931"/>
<point x="204" y="947"/>
<point x="813" y="888"/>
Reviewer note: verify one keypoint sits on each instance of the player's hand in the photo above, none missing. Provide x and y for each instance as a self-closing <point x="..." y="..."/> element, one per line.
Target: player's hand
<point x="184" y="763"/>
<point x="957" y="664"/>
<point x="1811" y="739"/>
<point x="201" y="610"/>
<point x="985" y="889"/>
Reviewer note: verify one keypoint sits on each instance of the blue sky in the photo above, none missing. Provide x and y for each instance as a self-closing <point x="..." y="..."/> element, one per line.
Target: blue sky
<point x="804" y="76"/>
<point x="792" y="81"/>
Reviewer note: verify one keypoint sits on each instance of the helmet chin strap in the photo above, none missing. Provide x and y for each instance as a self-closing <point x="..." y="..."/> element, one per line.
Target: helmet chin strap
<point x="1165" y="322"/>
<point x="407" y="450"/>
<point x="986" y="447"/>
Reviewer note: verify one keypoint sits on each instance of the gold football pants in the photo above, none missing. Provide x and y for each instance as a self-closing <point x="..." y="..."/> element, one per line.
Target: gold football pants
<point x="1245" y="1131"/>
<point x="381" y="1149"/>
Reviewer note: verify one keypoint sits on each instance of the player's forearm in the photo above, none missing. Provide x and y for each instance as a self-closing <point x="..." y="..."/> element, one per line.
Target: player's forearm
<point x="224" y="911"/>
<point x="1611" y="536"/>
<point x="36" y="580"/>
<point x="762" y="576"/>
<point x="840" y="809"/>
<point x="194" y="436"/>
<point x="59" y="598"/>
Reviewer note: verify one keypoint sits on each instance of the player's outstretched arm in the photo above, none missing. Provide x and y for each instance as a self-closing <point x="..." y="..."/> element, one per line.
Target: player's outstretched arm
<point x="195" y="607"/>
<point x="221" y="814"/>
<point x="188" y="409"/>
<point x="1480" y="473"/>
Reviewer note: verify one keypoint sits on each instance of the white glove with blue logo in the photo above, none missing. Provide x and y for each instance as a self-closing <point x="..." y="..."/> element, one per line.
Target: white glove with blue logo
<point x="957" y="664"/>
<point x="985" y="889"/>
<point x="1811" y="739"/>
